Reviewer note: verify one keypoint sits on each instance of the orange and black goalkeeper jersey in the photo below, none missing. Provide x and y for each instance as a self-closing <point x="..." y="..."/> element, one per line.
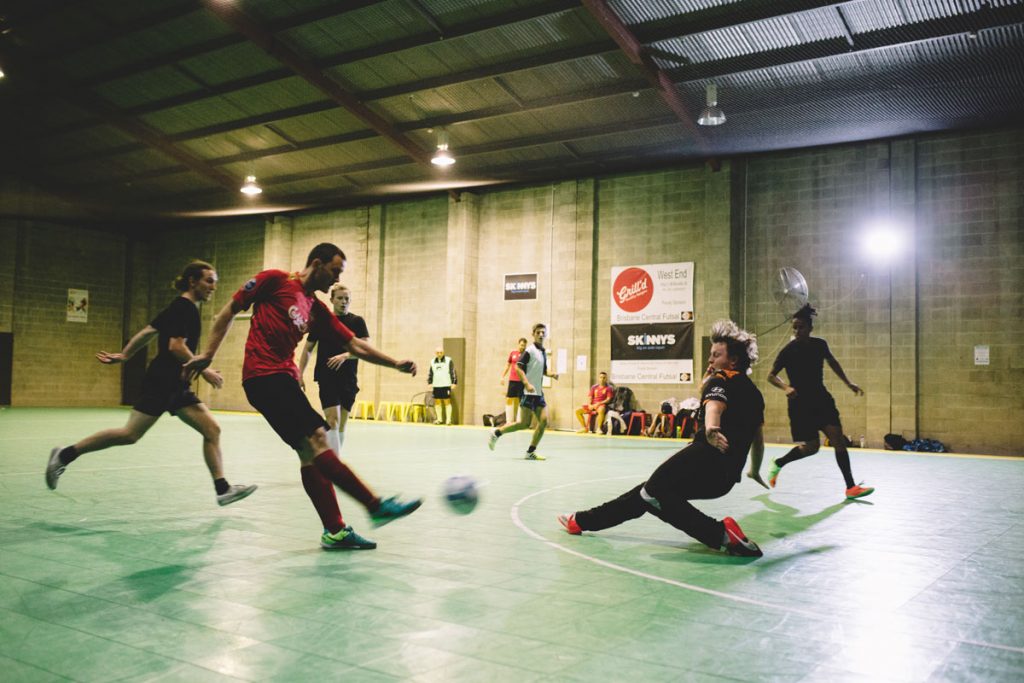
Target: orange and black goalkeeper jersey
<point x="742" y="414"/>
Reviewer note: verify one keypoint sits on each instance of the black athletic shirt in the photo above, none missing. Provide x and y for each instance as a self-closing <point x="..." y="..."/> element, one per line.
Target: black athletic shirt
<point x="179" y="319"/>
<point x="804" y="363"/>
<point x="332" y="347"/>
<point x="743" y="414"/>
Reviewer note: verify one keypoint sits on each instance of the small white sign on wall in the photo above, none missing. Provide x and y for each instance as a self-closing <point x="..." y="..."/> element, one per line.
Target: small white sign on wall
<point x="78" y="305"/>
<point x="581" y="363"/>
<point x="981" y="355"/>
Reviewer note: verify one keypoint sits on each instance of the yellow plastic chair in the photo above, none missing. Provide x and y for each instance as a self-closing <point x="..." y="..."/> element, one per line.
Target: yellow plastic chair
<point x="363" y="410"/>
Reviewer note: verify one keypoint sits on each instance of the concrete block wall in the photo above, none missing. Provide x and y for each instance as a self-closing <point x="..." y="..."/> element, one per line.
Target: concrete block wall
<point x="428" y="268"/>
<point x="413" y="301"/>
<point x="971" y="270"/>
<point x="8" y="251"/>
<point x="53" y="358"/>
<point x="806" y="210"/>
<point x="545" y="230"/>
<point x="236" y="250"/>
<point x="664" y="217"/>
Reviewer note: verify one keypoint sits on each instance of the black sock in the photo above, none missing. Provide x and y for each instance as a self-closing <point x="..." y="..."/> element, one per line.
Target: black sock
<point x="221" y="485"/>
<point x="531" y="449"/>
<point x="497" y="432"/>
<point x="843" y="460"/>
<point x="794" y="454"/>
<point x="68" y="455"/>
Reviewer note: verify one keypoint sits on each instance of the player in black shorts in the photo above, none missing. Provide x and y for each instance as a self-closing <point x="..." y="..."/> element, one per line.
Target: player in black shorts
<point x="730" y="423"/>
<point x="163" y="389"/>
<point x="335" y="369"/>
<point x="811" y="407"/>
<point x="514" y="392"/>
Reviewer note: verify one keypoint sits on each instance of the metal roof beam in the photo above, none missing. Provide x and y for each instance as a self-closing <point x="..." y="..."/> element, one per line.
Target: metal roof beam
<point x="420" y="124"/>
<point x="221" y="42"/>
<point x="234" y="17"/>
<point x="634" y="50"/>
<point x="874" y="41"/>
<point x="557" y="137"/>
<point x="30" y="74"/>
<point x="934" y="29"/>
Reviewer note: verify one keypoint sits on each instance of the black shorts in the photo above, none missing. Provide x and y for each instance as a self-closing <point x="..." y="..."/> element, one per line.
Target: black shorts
<point x="280" y="400"/>
<point x="515" y="389"/>
<point x="164" y="397"/>
<point x="442" y="392"/>
<point x="533" y="402"/>
<point x="334" y="392"/>
<point x="809" y="414"/>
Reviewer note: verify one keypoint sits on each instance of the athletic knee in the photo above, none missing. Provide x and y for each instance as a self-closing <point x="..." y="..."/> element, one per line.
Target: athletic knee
<point x="811" y="448"/>
<point x="127" y="437"/>
<point x="212" y="432"/>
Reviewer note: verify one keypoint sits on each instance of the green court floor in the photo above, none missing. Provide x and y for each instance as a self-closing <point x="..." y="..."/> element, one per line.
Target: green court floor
<point x="131" y="572"/>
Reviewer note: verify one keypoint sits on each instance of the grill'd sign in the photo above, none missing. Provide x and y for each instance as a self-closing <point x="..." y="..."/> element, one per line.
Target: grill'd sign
<point x="520" y="286"/>
<point x="652" y="324"/>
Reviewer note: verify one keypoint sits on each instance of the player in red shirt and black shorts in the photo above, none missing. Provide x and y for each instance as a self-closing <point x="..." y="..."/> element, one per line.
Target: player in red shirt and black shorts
<point x="515" y="383"/>
<point x="285" y="309"/>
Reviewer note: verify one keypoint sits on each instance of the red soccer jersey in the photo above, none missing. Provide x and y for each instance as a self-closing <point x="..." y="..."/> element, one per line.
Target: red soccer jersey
<point x="600" y="394"/>
<point x="284" y="313"/>
<point x="513" y="374"/>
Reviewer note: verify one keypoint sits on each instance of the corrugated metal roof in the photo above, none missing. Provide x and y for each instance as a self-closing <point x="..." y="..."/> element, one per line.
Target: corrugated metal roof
<point x="641" y="11"/>
<point x="99" y="98"/>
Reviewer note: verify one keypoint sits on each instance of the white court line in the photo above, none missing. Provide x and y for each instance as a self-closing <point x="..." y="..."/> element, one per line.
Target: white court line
<point x="514" y="513"/>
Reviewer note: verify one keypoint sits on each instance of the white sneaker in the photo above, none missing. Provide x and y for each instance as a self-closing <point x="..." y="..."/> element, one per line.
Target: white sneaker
<point x="235" y="492"/>
<point x="54" y="468"/>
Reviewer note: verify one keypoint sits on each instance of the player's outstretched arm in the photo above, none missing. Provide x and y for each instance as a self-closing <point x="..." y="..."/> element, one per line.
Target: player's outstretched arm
<point x="364" y="351"/>
<point x="838" y="369"/>
<point x="757" y="457"/>
<point x="307" y="351"/>
<point x="137" y="342"/>
<point x="713" y="425"/>
<point x="221" y="325"/>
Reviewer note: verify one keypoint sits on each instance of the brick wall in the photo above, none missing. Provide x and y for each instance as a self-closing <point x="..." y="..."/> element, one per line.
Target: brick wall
<point x="971" y="215"/>
<point x="53" y="358"/>
<point x="664" y="217"/>
<point x="425" y="269"/>
<point x="8" y="251"/>
<point x="806" y="210"/>
<point x="236" y="250"/>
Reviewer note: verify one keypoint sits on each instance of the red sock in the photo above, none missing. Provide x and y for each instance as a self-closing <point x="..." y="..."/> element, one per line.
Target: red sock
<point x="345" y="479"/>
<point x="321" y="494"/>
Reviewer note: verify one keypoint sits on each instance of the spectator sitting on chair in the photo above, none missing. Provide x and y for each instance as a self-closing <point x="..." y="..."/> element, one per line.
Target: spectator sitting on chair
<point x="660" y="423"/>
<point x="598" y="399"/>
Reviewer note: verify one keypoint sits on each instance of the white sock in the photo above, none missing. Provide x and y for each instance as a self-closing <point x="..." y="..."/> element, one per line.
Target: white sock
<point x="333" y="441"/>
<point x="341" y="440"/>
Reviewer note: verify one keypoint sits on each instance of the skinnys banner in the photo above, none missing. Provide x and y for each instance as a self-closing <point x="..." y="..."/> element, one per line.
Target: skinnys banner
<point x="652" y="324"/>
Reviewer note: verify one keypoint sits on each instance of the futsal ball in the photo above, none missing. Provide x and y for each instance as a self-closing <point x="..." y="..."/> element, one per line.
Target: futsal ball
<point x="461" y="494"/>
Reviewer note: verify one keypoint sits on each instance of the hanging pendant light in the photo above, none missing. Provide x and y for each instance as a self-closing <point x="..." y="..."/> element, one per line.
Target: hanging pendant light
<point x="712" y="115"/>
<point x="250" y="187"/>
<point x="442" y="157"/>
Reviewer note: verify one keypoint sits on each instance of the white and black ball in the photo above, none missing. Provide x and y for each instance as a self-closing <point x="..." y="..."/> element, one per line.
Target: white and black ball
<point x="461" y="493"/>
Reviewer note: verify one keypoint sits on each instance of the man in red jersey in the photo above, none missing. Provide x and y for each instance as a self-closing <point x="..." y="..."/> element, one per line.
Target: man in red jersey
<point x="597" y="403"/>
<point x="285" y="309"/>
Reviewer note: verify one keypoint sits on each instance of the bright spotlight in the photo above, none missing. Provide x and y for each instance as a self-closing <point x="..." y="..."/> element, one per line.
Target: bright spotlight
<point x="884" y="242"/>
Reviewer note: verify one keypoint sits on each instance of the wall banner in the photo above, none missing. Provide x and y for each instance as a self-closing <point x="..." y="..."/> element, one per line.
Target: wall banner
<point x="520" y="286"/>
<point x="78" y="305"/>
<point x="652" y="324"/>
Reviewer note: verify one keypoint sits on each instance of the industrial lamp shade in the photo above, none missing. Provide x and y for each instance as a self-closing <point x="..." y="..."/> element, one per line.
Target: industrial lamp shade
<point x="250" y="187"/>
<point x="443" y="156"/>
<point x="712" y="115"/>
